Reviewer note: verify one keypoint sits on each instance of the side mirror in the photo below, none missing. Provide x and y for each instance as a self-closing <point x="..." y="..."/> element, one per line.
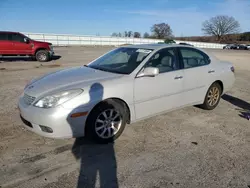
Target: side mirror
<point x="148" y="72"/>
<point x="26" y="40"/>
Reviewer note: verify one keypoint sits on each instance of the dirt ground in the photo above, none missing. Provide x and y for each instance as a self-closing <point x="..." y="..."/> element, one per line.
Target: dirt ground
<point x="184" y="148"/>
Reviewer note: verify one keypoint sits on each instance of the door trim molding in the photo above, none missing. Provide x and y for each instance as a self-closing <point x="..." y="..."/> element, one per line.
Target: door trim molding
<point x="161" y="96"/>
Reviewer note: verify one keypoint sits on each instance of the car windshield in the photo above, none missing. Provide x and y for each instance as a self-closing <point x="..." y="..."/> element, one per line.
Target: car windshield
<point x="121" y="60"/>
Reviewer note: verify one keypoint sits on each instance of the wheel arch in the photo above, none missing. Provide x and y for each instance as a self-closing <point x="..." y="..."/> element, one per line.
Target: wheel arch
<point x="119" y="100"/>
<point x="38" y="49"/>
<point x="221" y="85"/>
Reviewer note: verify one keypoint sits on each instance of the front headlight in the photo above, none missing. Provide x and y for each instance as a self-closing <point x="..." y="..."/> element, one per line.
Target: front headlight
<point x="57" y="99"/>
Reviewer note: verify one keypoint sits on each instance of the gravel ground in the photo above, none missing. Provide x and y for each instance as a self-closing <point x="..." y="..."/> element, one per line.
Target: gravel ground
<point x="184" y="148"/>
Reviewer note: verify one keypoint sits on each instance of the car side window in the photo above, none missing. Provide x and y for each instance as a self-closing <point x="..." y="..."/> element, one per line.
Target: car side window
<point x="3" y="36"/>
<point x="193" y="58"/>
<point x="16" y="37"/>
<point x="165" y="60"/>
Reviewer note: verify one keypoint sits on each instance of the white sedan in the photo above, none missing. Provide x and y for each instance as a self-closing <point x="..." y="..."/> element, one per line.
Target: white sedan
<point x="123" y="86"/>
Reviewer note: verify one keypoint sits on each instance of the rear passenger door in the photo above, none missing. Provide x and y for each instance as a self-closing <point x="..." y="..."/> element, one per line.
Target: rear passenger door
<point x="196" y="67"/>
<point x="19" y="45"/>
<point x="5" y="44"/>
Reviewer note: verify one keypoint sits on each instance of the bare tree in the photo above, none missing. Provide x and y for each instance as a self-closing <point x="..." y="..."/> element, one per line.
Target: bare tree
<point x="130" y="34"/>
<point x="161" y="30"/>
<point x="220" y="25"/>
<point x="125" y="34"/>
<point x="137" y="35"/>
<point x="114" y="34"/>
<point x="119" y="34"/>
<point x="146" y="35"/>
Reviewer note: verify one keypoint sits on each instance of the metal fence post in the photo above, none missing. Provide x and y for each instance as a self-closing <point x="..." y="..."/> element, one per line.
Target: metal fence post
<point x="57" y="40"/>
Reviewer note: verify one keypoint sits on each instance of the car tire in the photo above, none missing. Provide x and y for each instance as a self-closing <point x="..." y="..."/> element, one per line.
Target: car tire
<point x="97" y="124"/>
<point x="212" y="97"/>
<point x="42" y="56"/>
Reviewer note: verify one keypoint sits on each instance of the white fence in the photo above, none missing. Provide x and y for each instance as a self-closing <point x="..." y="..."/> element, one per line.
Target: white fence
<point x="81" y="40"/>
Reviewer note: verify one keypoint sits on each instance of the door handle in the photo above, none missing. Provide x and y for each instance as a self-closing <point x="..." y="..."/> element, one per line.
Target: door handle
<point x="178" y="77"/>
<point x="211" y="71"/>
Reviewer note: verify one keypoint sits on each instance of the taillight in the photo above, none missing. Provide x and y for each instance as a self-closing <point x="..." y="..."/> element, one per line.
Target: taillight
<point x="232" y="69"/>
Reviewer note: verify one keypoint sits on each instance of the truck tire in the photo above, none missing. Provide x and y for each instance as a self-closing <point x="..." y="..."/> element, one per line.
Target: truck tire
<point x="42" y="56"/>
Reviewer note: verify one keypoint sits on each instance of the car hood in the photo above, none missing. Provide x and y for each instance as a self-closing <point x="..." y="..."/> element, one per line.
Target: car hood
<point x="39" y="42"/>
<point x="72" y="78"/>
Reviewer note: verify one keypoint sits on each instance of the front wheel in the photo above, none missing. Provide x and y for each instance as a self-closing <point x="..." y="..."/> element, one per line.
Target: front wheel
<point x="106" y="122"/>
<point x="42" y="56"/>
<point x="213" y="96"/>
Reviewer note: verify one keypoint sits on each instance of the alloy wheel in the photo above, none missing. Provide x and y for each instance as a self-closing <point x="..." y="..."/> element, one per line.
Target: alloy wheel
<point x="213" y="96"/>
<point x="108" y="123"/>
<point x="42" y="56"/>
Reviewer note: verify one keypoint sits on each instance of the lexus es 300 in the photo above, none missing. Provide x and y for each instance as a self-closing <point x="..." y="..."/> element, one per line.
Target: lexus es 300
<point x="125" y="85"/>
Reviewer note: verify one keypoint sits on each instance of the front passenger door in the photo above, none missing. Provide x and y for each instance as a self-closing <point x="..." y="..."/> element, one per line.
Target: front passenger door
<point x="153" y="95"/>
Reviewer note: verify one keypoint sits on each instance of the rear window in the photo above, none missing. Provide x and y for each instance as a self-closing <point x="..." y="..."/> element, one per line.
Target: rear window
<point x="3" y="36"/>
<point x="193" y="58"/>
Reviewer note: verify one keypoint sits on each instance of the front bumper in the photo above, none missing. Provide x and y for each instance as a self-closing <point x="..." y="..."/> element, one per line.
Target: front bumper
<point x="56" y="119"/>
<point x="51" y="53"/>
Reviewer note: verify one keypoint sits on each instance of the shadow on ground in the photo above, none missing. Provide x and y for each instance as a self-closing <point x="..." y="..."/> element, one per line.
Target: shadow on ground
<point x="239" y="103"/>
<point x="98" y="161"/>
<point x="24" y="58"/>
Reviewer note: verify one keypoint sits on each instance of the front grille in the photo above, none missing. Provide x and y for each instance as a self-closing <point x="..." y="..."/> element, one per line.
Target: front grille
<point x="28" y="99"/>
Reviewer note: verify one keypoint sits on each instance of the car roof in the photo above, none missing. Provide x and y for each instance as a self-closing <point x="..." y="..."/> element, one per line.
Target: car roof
<point x="161" y="46"/>
<point x="8" y="32"/>
<point x="156" y="46"/>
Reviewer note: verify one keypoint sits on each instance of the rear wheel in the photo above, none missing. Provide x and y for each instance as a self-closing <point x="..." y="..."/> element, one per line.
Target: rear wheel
<point x="106" y="122"/>
<point x="42" y="55"/>
<point x="212" y="98"/>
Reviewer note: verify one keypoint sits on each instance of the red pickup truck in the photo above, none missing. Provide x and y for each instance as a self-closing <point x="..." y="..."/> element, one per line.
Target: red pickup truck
<point x="14" y="43"/>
